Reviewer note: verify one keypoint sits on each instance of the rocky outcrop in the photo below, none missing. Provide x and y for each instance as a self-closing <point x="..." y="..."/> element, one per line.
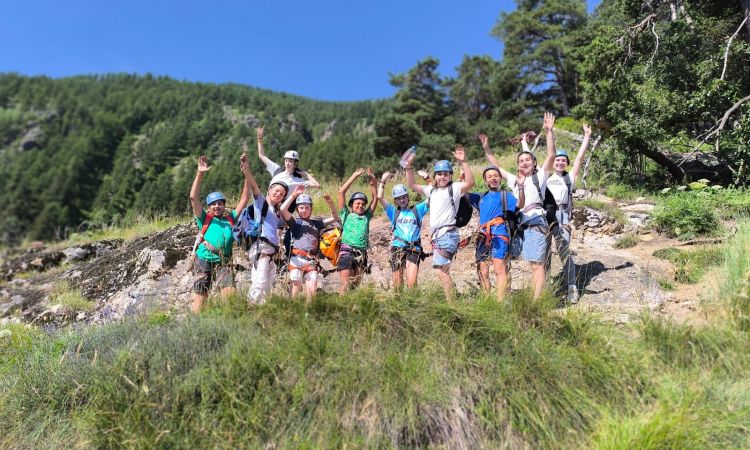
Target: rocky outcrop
<point x="592" y="221"/>
<point x="34" y="137"/>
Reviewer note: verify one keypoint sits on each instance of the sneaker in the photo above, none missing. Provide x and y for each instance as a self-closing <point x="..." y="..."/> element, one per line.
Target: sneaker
<point x="572" y="294"/>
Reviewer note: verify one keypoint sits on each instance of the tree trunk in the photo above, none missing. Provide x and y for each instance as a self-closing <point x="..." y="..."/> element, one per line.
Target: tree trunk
<point x="746" y="11"/>
<point x="663" y="160"/>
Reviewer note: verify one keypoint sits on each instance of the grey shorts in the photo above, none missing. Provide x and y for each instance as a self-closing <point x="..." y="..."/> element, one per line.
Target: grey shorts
<point x="207" y="274"/>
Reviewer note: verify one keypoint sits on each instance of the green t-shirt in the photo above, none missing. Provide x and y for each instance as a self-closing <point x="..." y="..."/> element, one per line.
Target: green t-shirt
<point x="356" y="228"/>
<point x="218" y="234"/>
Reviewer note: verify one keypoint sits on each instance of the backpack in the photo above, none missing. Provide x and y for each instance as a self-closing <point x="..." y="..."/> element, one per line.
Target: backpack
<point x="549" y="204"/>
<point x="297" y="172"/>
<point x="464" y="211"/>
<point x="330" y="242"/>
<point x="248" y="227"/>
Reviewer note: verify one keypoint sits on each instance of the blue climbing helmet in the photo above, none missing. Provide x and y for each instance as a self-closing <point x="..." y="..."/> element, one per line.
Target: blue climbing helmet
<point x="215" y="197"/>
<point x="399" y="190"/>
<point x="443" y="166"/>
<point x="304" y="199"/>
<point x="564" y="153"/>
<point x="357" y="196"/>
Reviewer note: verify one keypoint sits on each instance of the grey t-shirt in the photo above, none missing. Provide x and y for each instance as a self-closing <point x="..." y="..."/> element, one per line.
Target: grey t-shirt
<point x="306" y="234"/>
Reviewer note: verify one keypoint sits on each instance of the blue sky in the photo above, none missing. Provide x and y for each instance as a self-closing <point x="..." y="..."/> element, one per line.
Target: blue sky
<point x="327" y="49"/>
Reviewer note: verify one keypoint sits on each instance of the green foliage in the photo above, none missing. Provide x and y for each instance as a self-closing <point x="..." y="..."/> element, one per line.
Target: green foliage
<point x="627" y="241"/>
<point x="118" y="146"/>
<point x="620" y="191"/>
<point x="608" y="208"/>
<point x="736" y="285"/>
<point x="70" y="299"/>
<point x="686" y="214"/>
<point x="690" y="265"/>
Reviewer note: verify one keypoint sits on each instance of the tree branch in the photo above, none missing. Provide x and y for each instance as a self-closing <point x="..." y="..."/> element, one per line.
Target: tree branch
<point x="729" y="44"/>
<point x="656" y="49"/>
<point x="716" y="130"/>
<point x="588" y="159"/>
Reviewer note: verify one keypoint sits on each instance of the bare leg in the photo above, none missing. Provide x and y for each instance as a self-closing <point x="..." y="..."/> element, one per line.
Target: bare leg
<point x="311" y="288"/>
<point x="198" y="300"/>
<point x="444" y="274"/>
<point x="483" y="271"/>
<point x="412" y="272"/>
<point x="296" y="288"/>
<point x="502" y="277"/>
<point x="537" y="277"/>
<point x="396" y="279"/>
<point x="343" y="281"/>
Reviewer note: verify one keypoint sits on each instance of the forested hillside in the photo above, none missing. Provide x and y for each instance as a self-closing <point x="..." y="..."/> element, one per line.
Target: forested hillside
<point x="665" y="82"/>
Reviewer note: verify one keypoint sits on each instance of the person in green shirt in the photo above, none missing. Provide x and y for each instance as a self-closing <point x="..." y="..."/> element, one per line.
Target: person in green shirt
<point x="213" y="257"/>
<point x="355" y="219"/>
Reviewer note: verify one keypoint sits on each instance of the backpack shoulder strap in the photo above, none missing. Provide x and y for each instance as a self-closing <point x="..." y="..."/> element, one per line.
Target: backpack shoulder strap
<point x="206" y="223"/>
<point x="450" y="194"/>
<point x="395" y="218"/>
<point x="535" y="180"/>
<point x="416" y="216"/>
<point x="277" y="171"/>
<point x="504" y="197"/>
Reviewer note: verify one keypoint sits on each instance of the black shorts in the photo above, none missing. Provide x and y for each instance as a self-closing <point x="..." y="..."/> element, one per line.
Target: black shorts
<point x="352" y="258"/>
<point x="399" y="256"/>
<point x="207" y="274"/>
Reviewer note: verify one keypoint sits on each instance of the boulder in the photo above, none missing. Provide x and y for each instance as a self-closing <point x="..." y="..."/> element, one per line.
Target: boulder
<point x="591" y="220"/>
<point x="34" y="138"/>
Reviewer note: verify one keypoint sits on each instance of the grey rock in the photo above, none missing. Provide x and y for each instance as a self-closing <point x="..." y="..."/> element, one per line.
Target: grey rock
<point x="34" y="138"/>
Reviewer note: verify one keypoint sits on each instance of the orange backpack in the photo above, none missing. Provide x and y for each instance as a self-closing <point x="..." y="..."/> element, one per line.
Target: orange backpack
<point x="330" y="242"/>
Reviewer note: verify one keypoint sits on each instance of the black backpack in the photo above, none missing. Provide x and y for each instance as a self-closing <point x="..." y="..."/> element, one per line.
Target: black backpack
<point x="548" y="203"/>
<point x="464" y="210"/>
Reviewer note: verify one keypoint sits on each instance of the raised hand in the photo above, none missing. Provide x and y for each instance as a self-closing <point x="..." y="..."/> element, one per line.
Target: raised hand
<point x="423" y="174"/>
<point x="549" y="121"/>
<point x="371" y="177"/>
<point x="459" y="153"/>
<point x="328" y="199"/>
<point x="359" y="172"/>
<point x="587" y="129"/>
<point x="259" y="134"/>
<point x="243" y="162"/>
<point x="386" y="176"/>
<point x="484" y="140"/>
<point x="203" y="166"/>
<point x="244" y="146"/>
<point x="298" y="189"/>
<point x="520" y="178"/>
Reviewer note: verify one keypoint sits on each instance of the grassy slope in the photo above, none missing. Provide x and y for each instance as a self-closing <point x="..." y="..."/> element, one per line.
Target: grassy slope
<point x="373" y="370"/>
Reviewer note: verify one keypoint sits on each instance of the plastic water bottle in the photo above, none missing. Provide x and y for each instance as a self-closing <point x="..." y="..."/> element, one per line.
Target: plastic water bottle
<point x="408" y="156"/>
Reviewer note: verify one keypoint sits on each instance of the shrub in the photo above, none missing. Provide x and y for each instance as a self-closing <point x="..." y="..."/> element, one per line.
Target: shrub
<point x="685" y="214"/>
<point x="690" y="265"/>
<point x="627" y="241"/>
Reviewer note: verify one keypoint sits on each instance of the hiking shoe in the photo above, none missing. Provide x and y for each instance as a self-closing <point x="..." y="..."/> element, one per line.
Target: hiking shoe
<point x="572" y="295"/>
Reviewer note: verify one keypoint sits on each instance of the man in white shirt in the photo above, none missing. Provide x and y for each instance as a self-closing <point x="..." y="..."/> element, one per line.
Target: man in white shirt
<point x="443" y="208"/>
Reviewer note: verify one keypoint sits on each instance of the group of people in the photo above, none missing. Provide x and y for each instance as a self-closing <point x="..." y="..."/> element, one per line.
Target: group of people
<point x="523" y="205"/>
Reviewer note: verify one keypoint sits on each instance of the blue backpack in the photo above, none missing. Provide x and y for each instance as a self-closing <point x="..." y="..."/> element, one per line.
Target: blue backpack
<point x="247" y="228"/>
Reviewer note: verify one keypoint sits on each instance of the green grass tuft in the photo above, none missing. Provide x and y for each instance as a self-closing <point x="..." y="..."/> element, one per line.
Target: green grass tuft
<point x="690" y="265"/>
<point x="627" y="241"/>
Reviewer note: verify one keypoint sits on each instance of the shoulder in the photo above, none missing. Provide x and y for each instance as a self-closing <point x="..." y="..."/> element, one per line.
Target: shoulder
<point x="428" y="190"/>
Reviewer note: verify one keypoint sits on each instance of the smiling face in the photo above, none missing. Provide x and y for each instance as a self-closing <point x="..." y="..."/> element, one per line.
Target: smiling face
<point x="492" y="179"/>
<point x="217" y="208"/>
<point x="526" y="164"/>
<point x="290" y="164"/>
<point x="276" y="194"/>
<point x="560" y="164"/>
<point x="304" y="210"/>
<point x="359" y="206"/>
<point x="402" y="201"/>
<point x="443" y="178"/>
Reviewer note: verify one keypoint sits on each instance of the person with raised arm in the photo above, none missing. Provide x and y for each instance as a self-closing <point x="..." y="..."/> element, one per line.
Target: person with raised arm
<point x="562" y="184"/>
<point x="290" y="174"/>
<point x="212" y="262"/>
<point x="443" y="200"/>
<point x="406" y="224"/>
<point x="493" y="241"/>
<point x="530" y="240"/>
<point x="303" y="264"/>
<point x="355" y="219"/>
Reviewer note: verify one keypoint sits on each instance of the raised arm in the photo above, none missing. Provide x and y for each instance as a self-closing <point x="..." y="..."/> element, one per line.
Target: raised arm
<point x="373" y="189"/>
<point x="411" y="182"/>
<point x="311" y="181"/>
<point x="381" y="189"/>
<point x="334" y="215"/>
<point x="460" y="156"/>
<point x="491" y="156"/>
<point x="245" y="196"/>
<point x="261" y="150"/>
<point x="284" y="210"/>
<point x="549" y="124"/>
<point x="581" y="152"/>
<point x="345" y="187"/>
<point x="195" y="189"/>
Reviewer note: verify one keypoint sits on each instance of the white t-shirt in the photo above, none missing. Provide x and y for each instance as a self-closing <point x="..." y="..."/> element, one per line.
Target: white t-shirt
<point x="271" y="222"/>
<point x="556" y="185"/>
<point x="442" y="211"/>
<point x="284" y="177"/>
<point x="530" y="192"/>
